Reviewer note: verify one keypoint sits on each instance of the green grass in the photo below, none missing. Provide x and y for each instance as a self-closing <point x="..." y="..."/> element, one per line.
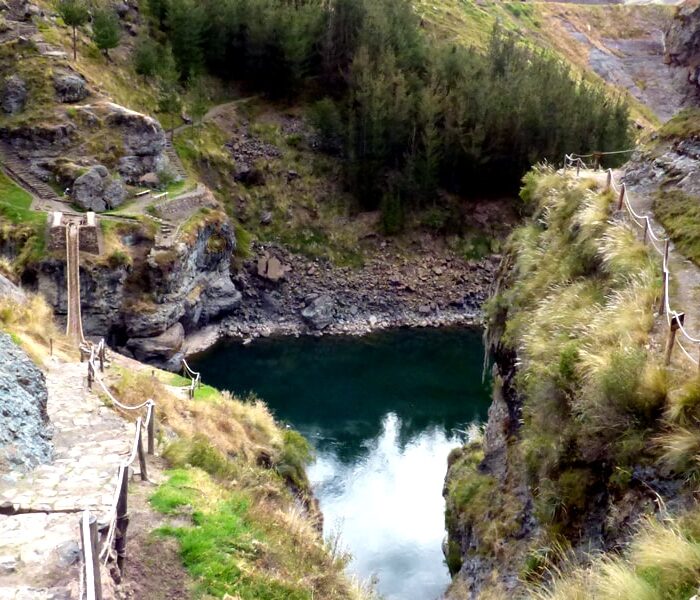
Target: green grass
<point x="679" y="213"/>
<point x="221" y="547"/>
<point x="21" y="225"/>
<point x="204" y="392"/>
<point x="15" y="203"/>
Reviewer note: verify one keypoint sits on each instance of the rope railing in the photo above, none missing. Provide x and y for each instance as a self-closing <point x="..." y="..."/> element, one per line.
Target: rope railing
<point x="117" y="518"/>
<point x="114" y="542"/>
<point x="675" y="320"/>
<point x="195" y="378"/>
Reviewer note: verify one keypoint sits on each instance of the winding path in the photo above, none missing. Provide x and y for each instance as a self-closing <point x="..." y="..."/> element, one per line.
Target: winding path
<point x="39" y="554"/>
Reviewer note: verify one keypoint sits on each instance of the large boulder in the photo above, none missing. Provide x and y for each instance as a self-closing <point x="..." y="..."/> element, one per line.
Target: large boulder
<point x="14" y="94"/>
<point x="25" y="431"/>
<point x="159" y="348"/>
<point x="219" y="299"/>
<point x="70" y="87"/>
<point x="142" y="135"/>
<point x="319" y="311"/>
<point x="96" y="190"/>
<point x="133" y="168"/>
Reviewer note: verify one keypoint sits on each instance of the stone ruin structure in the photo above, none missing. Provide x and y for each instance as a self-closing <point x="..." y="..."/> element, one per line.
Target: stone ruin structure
<point x="88" y="232"/>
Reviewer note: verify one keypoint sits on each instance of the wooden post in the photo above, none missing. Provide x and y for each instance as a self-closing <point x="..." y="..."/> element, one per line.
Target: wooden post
<point x="102" y="359"/>
<point x="676" y="322"/>
<point x="646" y="230"/>
<point x="91" y="376"/>
<point x="91" y="559"/>
<point x="578" y="166"/>
<point x="667" y="244"/>
<point x="662" y="302"/>
<point x="608" y="181"/>
<point x="95" y="557"/>
<point x="122" y="518"/>
<point x="152" y="431"/>
<point x="621" y="198"/>
<point x="142" y="455"/>
<point x="50" y="346"/>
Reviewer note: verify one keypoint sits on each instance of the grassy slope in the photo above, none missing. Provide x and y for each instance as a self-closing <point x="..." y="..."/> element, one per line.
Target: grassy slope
<point x="235" y="492"/>
<point x="578" y="309"/>
<point x="541" y="24"/>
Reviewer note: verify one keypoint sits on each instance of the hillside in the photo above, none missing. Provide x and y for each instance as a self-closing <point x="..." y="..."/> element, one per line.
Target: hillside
<point x="260" y="168"/>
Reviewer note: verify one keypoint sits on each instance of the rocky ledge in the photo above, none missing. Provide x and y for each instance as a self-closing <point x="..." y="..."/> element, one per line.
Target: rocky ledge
<point x="287" y="294"/>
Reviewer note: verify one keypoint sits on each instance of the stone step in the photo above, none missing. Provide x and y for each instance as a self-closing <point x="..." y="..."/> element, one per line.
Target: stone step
<point x="175" y="161"/>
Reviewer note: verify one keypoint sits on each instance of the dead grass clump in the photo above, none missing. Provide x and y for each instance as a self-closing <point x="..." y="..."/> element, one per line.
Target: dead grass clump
<point x="31" y="324"/>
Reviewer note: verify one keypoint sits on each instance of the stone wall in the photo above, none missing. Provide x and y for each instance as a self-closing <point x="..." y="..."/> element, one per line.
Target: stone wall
<point x="89" y="235"/>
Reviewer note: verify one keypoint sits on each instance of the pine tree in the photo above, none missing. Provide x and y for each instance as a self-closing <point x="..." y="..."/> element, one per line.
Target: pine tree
<point x="75" y="14"/>
<point x="105" y="30"/>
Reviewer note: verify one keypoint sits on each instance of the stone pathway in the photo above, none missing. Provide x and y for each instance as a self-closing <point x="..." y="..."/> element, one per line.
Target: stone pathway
<point x="39" y="551"/>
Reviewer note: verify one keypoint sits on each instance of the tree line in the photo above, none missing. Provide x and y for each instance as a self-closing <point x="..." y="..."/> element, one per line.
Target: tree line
<point x="409" y="114"/>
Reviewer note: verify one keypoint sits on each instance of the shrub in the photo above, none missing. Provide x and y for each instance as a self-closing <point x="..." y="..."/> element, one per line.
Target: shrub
<point x="198" y="452"/>
<point x="295" y="455"/>
<point x="146" y="57"/>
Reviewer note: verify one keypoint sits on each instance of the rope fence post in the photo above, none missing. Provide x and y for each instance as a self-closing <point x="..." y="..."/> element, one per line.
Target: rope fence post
<point x="151" y="430"/>
<point x="664" y="287"/>
<point x="676" y="321"/>
<point x="91" y="559"/>
<point x="91" y="375"/>
<point x="608" y="182"/>
<point x="621" y="198"/>
<point x="142" y="455"/>
<point x="102" y="358"/>
<point x="646" y="230"/>
<point x="667" y="245"/>
<point x="50" y="346"/>
<point x="122" y="518"/>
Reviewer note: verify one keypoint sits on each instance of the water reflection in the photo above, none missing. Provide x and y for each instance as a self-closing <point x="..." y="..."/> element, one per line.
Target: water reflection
<point x="388" y="503"/>
<point x="381" y="412"/>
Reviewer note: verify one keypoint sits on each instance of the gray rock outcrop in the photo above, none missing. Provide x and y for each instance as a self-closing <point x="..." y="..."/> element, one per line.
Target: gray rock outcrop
<point x="70" y="87"/>
<point x="319" y="311"/>
<point x="683" y="41"/>
<point x="96" y="190"/>
<point x="143" y="140"/>
<point x="161" y="347"/>
<point x="25" y="431"/>
<point x="14" y="95"/>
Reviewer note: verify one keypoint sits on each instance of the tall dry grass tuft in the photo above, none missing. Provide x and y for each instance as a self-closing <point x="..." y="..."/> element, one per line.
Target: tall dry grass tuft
<point x="681" y="450"/>
<point x="235" y="428"/>
<point x="30" y="322"/>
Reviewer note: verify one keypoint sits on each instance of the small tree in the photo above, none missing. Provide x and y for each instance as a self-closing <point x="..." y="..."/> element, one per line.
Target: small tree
<point x="105" y="30"/>
<point x="198" y="100"/>
<point x="75" y="14"/>
<point x="169" y="100"/>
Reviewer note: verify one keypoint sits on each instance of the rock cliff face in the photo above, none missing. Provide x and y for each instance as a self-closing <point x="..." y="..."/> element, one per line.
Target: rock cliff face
<point x="145" y="308"/>
<point x="683" y="41"/>
<point x="25" y="432"/>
